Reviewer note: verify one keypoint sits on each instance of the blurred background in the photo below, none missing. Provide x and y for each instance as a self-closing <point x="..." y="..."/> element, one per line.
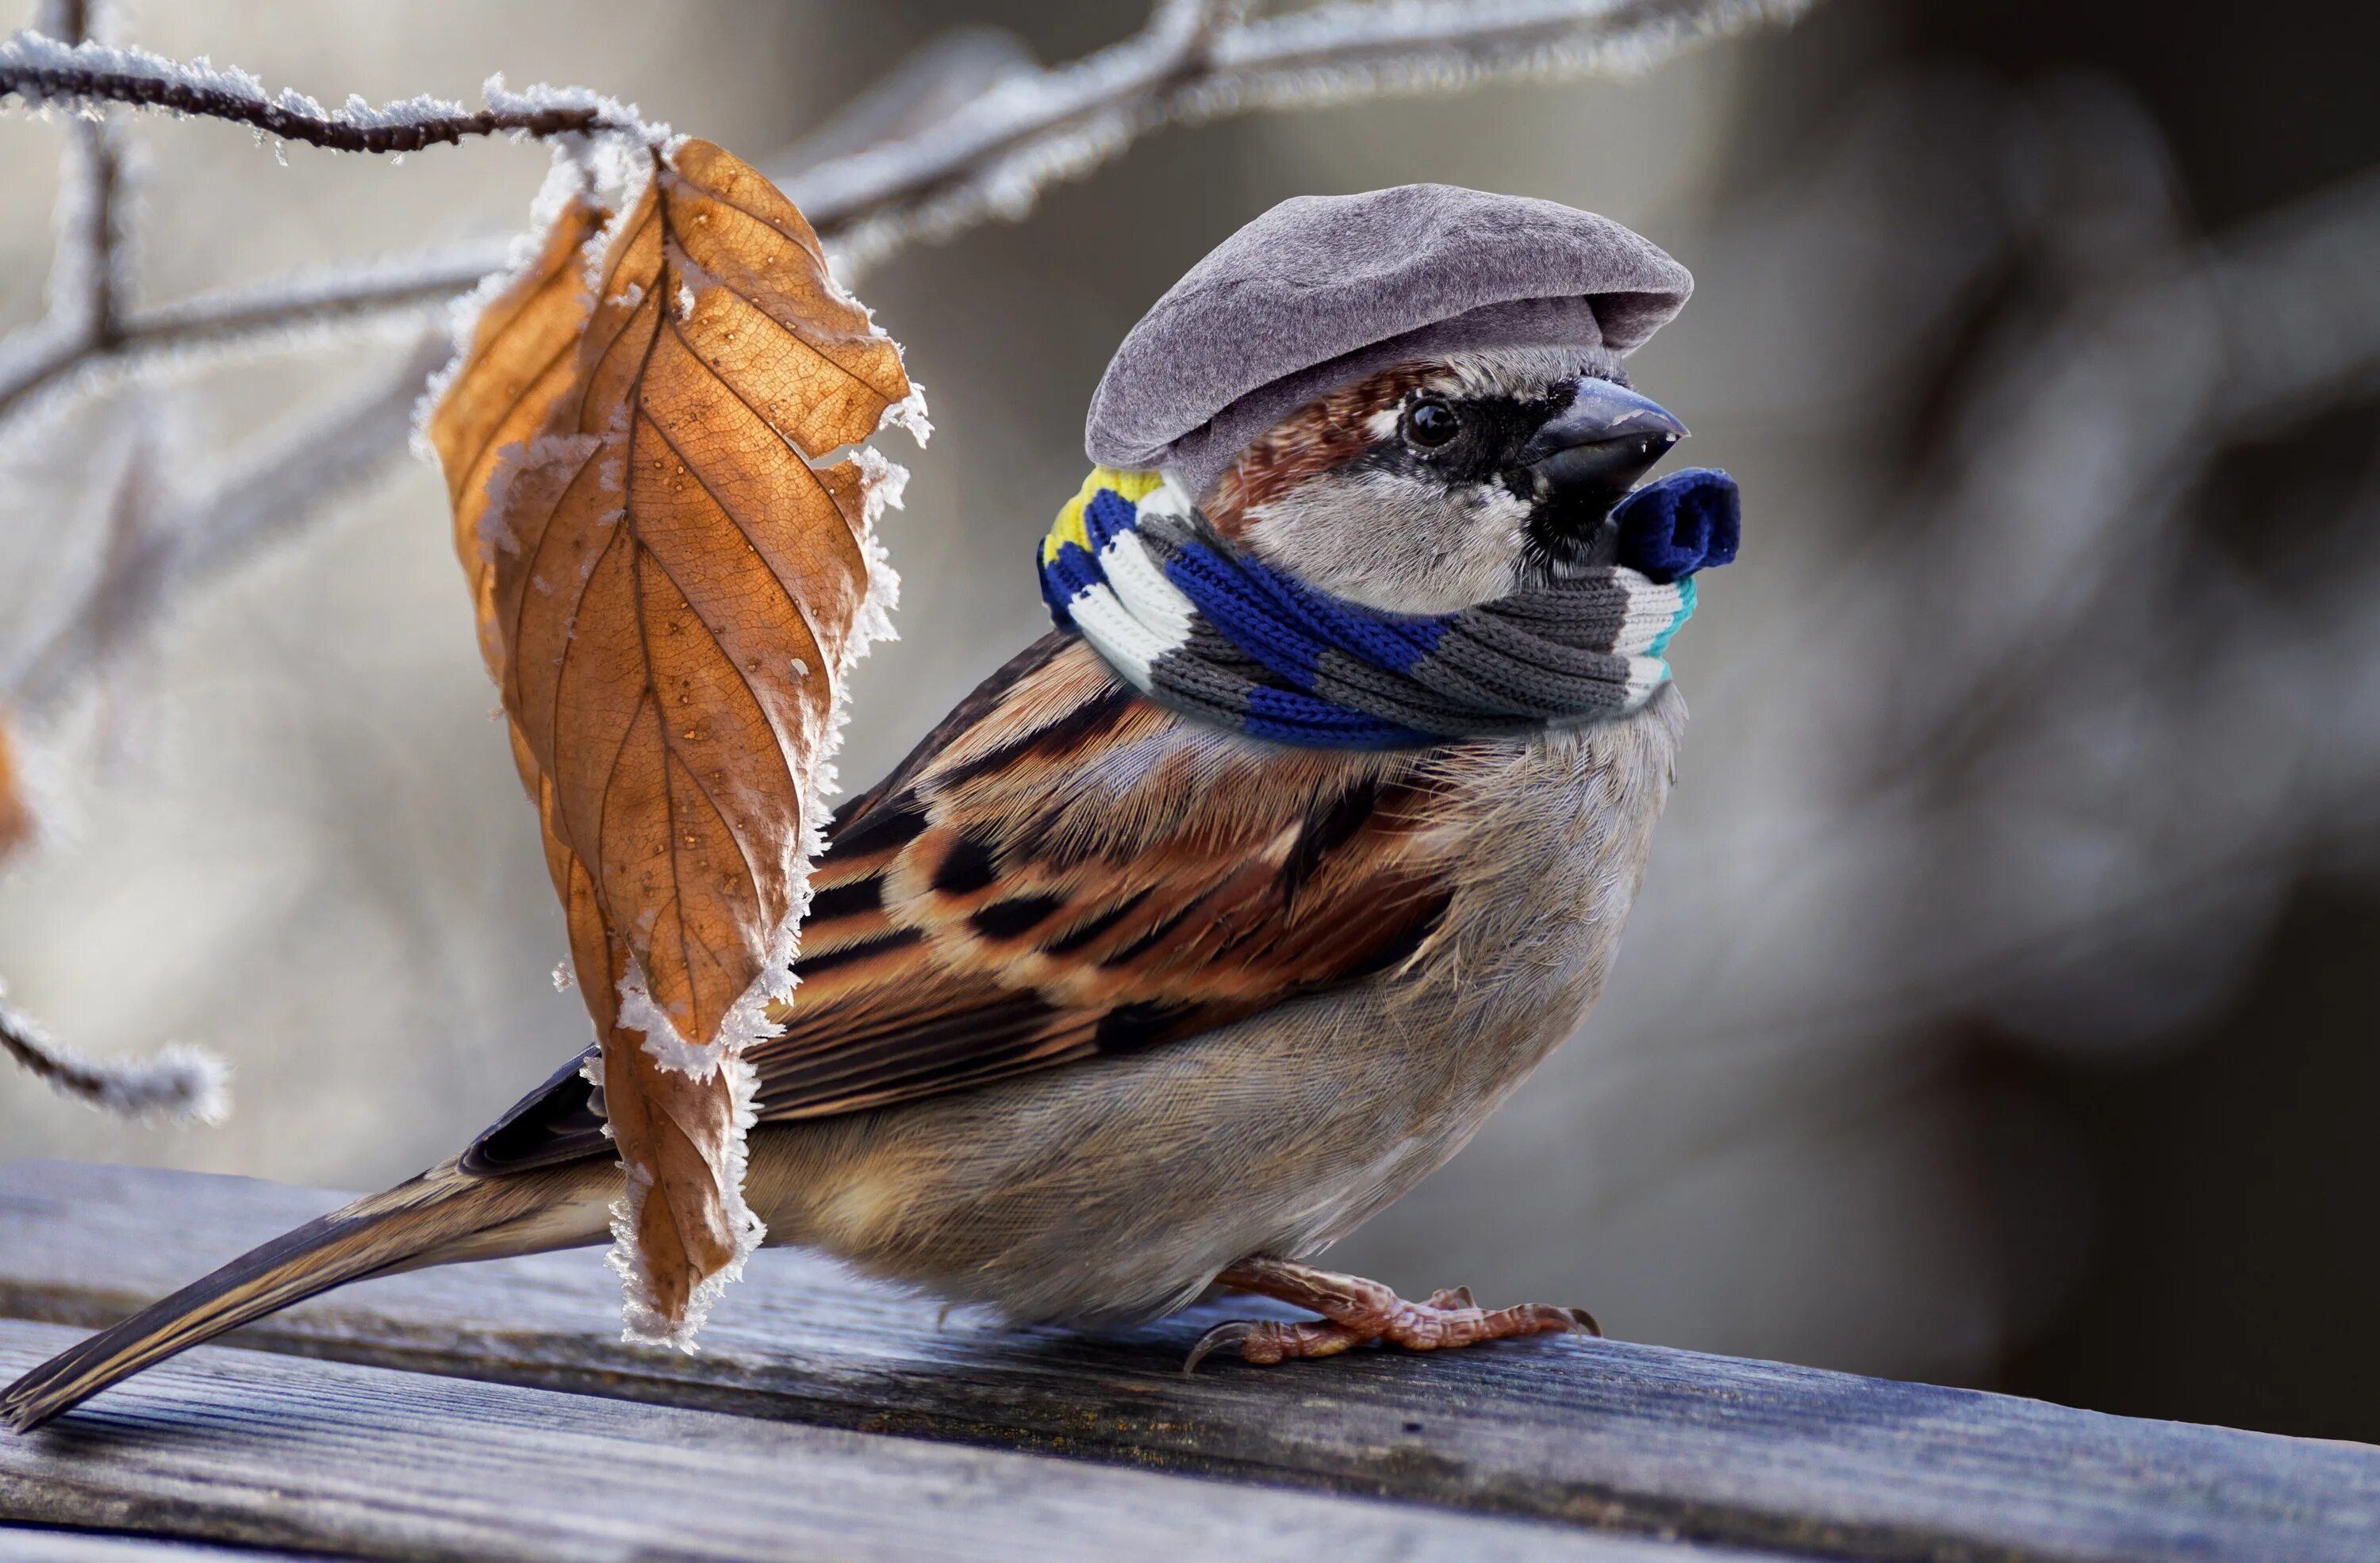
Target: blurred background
<point x="1998" y="1011"/>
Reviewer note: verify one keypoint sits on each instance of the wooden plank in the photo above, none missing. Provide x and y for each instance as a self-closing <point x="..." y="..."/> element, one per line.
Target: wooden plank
<point x="239" y="1446"/>
<point x="1606" y="1434"/>
<point x="34" y="1544"/>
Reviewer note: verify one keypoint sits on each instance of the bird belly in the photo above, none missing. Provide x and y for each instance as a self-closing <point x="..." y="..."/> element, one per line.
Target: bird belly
<point x="1115" y="1188"/>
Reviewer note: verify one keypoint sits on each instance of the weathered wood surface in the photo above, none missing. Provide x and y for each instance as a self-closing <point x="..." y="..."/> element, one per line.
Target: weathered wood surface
<point x="239" y="1446"/>
<point x="1622" y="1436"/>
<point x="40" y="1543"/>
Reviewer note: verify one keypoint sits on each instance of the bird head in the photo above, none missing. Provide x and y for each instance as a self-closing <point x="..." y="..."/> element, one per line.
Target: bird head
<point x="1439" y="483"/>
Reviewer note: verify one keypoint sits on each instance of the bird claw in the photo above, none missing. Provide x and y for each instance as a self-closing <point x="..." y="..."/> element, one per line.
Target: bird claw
<point x="1359" y="1313"/>
<point x="1231" y="1334"/>
<point x="1575" y="1321"/>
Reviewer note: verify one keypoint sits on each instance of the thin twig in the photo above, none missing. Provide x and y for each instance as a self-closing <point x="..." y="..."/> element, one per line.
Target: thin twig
<point x="1195" y="62"/>
<point x="267" y="496"/>
<point x="45" y="70"/>
<point x="89" y="317"/>
<point x="1174" y="48"/>
<point x="938" y="79"/>
<point x="85" y="291"/>
<point x="92" y="230"/>
<point x="158" y="548"/>
<point x="237" y="317"/>
<point x="180" y="1083"/>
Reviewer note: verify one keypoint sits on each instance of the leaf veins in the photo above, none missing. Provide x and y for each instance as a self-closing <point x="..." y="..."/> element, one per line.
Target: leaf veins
<point x="669" y="594"/>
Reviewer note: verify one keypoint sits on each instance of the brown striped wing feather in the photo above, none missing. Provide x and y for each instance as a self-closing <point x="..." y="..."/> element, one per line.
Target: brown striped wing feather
<point x="1063" y="869"/>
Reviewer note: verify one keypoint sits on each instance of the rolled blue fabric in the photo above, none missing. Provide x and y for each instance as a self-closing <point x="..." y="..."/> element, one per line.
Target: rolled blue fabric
<point x="1688" y="521"/>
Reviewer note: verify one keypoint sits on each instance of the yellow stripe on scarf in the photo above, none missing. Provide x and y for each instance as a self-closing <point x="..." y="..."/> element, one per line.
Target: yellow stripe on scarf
<point x="1069" y="527"/>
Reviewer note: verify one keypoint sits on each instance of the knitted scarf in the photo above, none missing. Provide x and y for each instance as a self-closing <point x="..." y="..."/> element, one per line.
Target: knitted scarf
<point x="1206" y="629"/>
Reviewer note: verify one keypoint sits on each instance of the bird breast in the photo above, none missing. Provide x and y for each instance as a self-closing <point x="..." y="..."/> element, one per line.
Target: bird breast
<point x="1117" y="1187"/>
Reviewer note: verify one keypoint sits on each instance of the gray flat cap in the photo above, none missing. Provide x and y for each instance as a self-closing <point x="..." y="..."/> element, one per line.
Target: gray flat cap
<point x="1324" y="290"/>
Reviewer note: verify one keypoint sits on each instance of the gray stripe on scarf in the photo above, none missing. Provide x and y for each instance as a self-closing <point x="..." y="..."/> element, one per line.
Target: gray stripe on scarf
<point x="1499" y="669"/>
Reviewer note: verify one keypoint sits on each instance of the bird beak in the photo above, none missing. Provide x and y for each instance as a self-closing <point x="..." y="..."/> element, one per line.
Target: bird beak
<point x="1593" y="451"/>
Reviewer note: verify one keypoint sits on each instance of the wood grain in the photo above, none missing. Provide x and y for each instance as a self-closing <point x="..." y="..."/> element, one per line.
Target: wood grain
<point x="32" y="1544"/>
<point x="238" y="1447"/>
<point x="1608" y="1433"/>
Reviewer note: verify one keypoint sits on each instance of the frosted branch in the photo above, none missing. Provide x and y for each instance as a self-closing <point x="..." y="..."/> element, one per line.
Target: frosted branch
<point x="87" y="344"/>
<point x="180" y="1083"/>
<point x="47" y="72"/>
<point x="88" y="319"/>
<point x="164" y="544"/>
<point x="941" y="77"/>
<point x="188" y="539"/>
<point x="42" y="361"/>
<point x="992" y="156"/>
<point x="88" y="261"/>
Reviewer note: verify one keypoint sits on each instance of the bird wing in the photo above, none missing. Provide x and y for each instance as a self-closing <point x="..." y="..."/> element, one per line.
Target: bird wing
<point x="1063" y="869"/>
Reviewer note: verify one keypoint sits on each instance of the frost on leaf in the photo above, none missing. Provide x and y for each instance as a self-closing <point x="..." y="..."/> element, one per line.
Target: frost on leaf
<point x="628" y="447"/>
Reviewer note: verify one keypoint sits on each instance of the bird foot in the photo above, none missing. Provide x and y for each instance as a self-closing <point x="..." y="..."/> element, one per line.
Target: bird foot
<point x="1355" y="1311"/>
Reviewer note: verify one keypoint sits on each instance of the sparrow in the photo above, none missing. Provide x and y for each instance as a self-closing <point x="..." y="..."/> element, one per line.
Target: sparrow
<point x="1104" y="1005"/>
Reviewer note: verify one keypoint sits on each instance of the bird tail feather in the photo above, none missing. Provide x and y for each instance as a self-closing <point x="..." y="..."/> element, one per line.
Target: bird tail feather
<point x="440" y="1216"/>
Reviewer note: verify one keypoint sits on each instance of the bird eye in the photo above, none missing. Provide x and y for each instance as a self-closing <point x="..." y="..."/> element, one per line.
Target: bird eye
<point x="1431" y="423"/>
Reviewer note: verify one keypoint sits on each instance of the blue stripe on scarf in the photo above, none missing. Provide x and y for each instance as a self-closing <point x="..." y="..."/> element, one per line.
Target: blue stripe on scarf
<point x="1108" y="514"/>
<point x="1286" y="625"/>
<point x="1067" y="576"/>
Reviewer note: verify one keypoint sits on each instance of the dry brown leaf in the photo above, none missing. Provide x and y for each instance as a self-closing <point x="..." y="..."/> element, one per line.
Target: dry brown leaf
<point x="670" y="595"/>
<point x="17" y="826"/>
<point x="518" y="365"/>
